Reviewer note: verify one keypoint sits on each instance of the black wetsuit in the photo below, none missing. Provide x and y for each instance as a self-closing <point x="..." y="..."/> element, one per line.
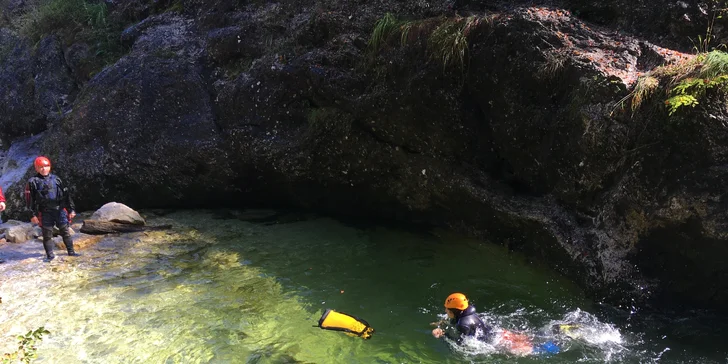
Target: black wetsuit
<point x="49" y="200"/>
<point x="468" y="323"/>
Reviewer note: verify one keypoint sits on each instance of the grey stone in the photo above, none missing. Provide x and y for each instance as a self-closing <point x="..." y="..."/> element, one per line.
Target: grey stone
<point x="118" y="212"/>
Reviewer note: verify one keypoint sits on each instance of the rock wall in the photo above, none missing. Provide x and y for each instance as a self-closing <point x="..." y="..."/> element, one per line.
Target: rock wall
<point x="525" y="142"/>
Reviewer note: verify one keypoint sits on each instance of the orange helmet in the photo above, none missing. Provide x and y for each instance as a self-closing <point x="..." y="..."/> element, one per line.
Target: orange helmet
<point x="457" y="301"/>
<point x="40" y="162"/>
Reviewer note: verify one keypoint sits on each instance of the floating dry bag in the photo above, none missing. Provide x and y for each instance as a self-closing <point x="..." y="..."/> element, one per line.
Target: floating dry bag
<point x="338" y="321"/>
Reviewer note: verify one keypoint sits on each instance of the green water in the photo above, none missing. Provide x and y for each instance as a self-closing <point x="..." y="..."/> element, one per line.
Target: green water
<point x="215" y="289"/>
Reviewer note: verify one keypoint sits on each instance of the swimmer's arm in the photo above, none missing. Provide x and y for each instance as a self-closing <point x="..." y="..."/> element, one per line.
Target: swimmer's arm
<point x="439" y="323"/>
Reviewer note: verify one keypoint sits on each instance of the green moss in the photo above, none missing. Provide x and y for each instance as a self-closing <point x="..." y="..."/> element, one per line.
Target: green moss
<point x="165" y="53"/>
<point x="3" y="19"/>
<point x="237" y="67"/>
<point x="63" y="17"/>
<point x="637" y="221"/>
<point x="176" y="7"/>
<point x="75" y="21"/>
<point x="5" y="50"/>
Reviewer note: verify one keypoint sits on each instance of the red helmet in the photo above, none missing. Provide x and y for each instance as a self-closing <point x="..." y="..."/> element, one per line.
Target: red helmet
<point x="41" y="162"/>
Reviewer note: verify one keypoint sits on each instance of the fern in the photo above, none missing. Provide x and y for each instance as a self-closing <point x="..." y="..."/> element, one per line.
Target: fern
<point x="689" y="90"/>
<point x="676" y="102"/>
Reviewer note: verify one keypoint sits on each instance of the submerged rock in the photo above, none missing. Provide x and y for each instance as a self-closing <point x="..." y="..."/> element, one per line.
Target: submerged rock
<point x="81" y="241"/>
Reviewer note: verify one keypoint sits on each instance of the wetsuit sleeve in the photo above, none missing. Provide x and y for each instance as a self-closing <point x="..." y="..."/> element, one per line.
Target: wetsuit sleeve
<point x="30" y="202"/>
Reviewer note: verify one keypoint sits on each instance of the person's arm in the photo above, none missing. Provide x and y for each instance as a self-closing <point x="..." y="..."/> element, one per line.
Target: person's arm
<point x="30" y="202"/>
<point x="446" y="329"/>
<point x="67" y="200"/>
<point x="2" y="200"/>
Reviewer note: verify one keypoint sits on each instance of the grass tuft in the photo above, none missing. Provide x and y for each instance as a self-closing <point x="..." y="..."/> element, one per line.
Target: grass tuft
<point x="447" y="38"/>
<point x="715" y="64"/>
<point x="383" y="29"/>
<point x="449" y="43"/>
<point x="644" y="88"/>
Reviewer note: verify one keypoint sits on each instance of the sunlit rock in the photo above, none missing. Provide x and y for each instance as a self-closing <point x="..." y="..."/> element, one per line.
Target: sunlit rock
<point x="81" y="241"/>
<point x="118" y="212"/>
<point x="20" y="232"/>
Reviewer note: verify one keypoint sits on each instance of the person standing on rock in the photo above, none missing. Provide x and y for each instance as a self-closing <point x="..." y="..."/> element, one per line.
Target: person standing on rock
<point x="50" y="202"/>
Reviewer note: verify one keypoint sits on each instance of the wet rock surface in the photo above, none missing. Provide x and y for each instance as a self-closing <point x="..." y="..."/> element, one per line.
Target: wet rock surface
<point x="285" y="104"/>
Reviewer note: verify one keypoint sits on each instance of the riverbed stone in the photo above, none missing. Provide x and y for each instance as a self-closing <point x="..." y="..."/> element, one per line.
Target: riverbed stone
<point x="22" y="232"/>
<point x="81" y="241"/>
<point x="10" y="223"/>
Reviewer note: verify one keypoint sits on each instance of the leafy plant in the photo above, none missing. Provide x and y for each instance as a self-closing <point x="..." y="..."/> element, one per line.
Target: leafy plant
<point x="685" y="82"/>
<point x="688" y="91"/>
<point x="26" y="347"/>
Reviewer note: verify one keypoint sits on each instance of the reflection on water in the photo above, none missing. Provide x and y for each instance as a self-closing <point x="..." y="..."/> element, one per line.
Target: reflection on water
<point x="221" y="290"/>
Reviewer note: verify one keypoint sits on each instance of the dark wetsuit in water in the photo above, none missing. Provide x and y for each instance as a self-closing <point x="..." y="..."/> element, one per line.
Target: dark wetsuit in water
<point x="468" y="323"/>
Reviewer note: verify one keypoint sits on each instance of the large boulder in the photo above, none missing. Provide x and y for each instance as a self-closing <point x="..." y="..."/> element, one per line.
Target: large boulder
<point x="18" y="114"/>
<point x="118" y="212"/>
<point x="55" y="87"/>
<point x="144" y="130"/>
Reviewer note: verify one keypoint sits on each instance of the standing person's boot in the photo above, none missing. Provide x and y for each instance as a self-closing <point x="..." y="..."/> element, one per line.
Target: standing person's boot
<point x="48" y="244"/>
<point x="68" y="241"/>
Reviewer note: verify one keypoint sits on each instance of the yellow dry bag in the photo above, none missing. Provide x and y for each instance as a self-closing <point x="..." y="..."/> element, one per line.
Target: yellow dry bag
<point x="338" y="321"/>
